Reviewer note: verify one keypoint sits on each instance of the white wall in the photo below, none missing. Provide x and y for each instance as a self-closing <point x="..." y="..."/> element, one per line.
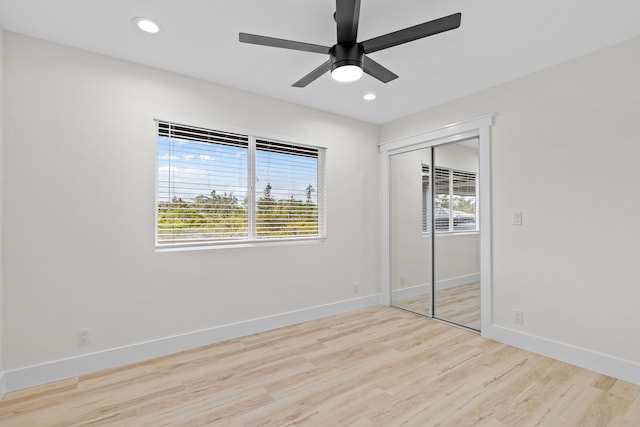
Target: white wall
<point x="564" y="152"/>
<point x="79" y="209"/>
<point x="1" y="211"/>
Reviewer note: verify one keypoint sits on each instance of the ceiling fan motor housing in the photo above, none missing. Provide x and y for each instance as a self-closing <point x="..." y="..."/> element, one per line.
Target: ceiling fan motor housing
<point x="346" y="54"/>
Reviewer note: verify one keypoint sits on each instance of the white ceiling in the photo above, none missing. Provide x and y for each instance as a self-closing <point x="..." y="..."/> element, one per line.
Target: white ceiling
<point x="498" y="40"/>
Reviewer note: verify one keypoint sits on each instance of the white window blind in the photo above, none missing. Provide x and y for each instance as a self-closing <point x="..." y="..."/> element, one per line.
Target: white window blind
<point x="202" y="185"/>
<point x="205" y="197"/>
<point x="426" y="198"/>
<point x="286" y="187"/>
<point x="454" y="197"/>
<point x="463" y="212"/>
<point x="441" y="199"/>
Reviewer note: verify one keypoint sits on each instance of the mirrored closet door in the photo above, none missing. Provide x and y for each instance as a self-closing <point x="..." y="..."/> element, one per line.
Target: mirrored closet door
<point x="434" y="232"/>
<point x="410" y="242"/>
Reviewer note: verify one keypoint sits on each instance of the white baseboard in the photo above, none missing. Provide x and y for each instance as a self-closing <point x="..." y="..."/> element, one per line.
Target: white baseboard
<point x="441" y="285"/>
<point x="30" y="376"/>
<point x="454" y="282"/>
<point x="410" y="292"/>
<point x="588" y="359"/>
<point x="66" y="368"/>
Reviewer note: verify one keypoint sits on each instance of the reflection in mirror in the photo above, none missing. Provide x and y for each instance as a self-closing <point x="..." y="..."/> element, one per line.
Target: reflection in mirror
<point x="457" y="238"/>
<point x="410" y="241"/>
<point x="436" y="244"/>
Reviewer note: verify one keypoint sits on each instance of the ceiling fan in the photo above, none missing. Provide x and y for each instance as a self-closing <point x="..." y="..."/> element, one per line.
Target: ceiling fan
<point x="347" y="58"/>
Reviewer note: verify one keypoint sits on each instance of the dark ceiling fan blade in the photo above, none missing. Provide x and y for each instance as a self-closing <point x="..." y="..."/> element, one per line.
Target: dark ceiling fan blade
<point x="376" y="70"/>
<point x="326" y="66"/>
<point x="416" y="32"/>
<point x="347" y="17"/>
<point x="282" y="43"/>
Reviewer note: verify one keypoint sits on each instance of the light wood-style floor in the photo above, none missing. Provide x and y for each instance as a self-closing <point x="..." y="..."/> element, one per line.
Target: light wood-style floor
<point x="374" y="367"/>
<point x="460" y="304"/>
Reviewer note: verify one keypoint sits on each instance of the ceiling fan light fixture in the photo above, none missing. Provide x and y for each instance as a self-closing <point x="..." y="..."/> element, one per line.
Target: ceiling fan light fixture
<point x="147" y="25"/>
<point x="347" y="73"/>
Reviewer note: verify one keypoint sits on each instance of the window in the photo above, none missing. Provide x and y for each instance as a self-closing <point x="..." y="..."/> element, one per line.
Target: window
<point x="454" y="197"/>
<point x="216" y="187"/>
<point x="287" y="176"/>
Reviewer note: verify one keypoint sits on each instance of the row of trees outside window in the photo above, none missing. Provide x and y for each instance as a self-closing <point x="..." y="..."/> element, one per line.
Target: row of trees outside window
<point x="225" y="217"/>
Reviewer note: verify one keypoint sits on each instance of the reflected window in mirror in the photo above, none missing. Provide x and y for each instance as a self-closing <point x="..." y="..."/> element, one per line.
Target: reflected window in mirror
<point x="455" y="200"/>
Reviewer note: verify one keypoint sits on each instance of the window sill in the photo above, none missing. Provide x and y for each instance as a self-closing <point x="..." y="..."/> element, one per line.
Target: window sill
<point x="452" y="233"/>
<point x="238" y="244"/>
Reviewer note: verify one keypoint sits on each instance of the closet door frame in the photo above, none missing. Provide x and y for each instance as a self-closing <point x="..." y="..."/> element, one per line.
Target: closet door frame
<point x="479" y="127"/>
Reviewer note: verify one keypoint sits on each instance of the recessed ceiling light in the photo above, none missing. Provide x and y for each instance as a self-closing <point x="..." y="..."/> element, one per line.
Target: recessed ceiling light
<point x="147" y="25"/>
<point x="347" y="73"/>
<point x="369" y="97"/>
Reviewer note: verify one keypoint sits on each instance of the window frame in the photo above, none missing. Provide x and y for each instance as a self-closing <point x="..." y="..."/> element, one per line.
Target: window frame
<point x="252" y="239"/>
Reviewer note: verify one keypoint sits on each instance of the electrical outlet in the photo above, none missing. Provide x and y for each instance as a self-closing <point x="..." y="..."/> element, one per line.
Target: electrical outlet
<point x="402" y="281"/>
<point x="518" y="317"/>
<point x="356" y="288"/>
<point x="83" y="336"/>
<point x="517" y="218"/>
